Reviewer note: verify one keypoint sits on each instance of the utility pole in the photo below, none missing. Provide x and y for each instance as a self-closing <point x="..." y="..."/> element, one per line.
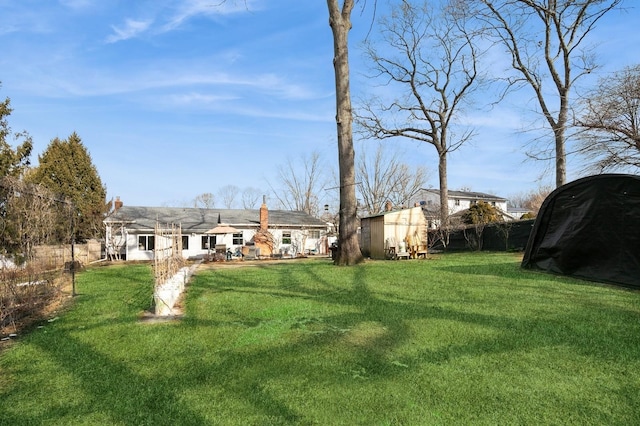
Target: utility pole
<point x="73" y="246"/>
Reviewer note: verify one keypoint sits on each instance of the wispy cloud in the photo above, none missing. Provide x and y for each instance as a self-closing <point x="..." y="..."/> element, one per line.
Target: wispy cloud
<point x="199" y="99"/>
<point x="177" y="16"/>
<point x="15" y="18"/>
<point x="192" y="8"/>
<point x="131" y="29"/>
<point x="190" y="78"/>
<point x="77" y="4"/>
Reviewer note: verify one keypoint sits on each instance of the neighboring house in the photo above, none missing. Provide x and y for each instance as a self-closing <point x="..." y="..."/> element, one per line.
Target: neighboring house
<point x="459" y="201"/>
<point x="518" y="212"/>
<point x="396" y="230"/>
<point x="130" y="231"/>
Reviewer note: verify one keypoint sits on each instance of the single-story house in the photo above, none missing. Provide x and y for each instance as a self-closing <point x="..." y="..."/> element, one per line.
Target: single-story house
<point x="130" y="231"/>
<point x="394" y="233"/>
<point x="518" y="212"/>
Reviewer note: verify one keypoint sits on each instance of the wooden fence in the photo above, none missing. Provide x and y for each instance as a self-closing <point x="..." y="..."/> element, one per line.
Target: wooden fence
<point x="56" y="257"/>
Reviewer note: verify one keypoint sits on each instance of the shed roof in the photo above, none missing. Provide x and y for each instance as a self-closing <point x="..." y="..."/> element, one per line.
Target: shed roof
<point x="389" y="212"/>
<point x="201" y="220"/>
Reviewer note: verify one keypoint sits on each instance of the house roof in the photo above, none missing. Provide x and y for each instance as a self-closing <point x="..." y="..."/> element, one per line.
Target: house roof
<point x="469" y="195"/>
<point x="201" y="220"/>
<point x="518" y="210"/>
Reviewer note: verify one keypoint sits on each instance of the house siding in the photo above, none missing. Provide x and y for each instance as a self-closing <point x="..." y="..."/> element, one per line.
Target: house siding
<point x="137" y="221"/>
<point x="299" y="244"/>
<point x="429" y="200"/>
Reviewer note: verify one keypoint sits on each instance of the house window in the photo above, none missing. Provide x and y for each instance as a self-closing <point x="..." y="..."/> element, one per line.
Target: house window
<point x="208" y="242"/>
<point x="238" y="239"/>
<point x="457" y="202"/>
<point x="185" y="242"/>
<point x="286" y="237"/>
<point x="146" y="242"/>
<point x="314" y="234"/>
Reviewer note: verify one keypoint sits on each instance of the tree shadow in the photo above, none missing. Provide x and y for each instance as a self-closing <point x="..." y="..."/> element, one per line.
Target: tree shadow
<point x="360" y="342"/>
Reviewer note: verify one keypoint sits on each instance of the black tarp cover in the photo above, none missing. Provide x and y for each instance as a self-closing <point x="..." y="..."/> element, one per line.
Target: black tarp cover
<point x="590" y="229"/>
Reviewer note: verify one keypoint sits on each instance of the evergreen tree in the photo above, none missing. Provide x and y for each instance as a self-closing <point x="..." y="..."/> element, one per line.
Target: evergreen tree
<point x="67" y="170"/>
<point x="481" y="213"/>
<point x="13" y="162"/>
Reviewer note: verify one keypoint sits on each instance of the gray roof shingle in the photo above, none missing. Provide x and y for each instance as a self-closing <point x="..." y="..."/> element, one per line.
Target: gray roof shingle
<point x="200" y="220"/>
<point x="468" y="195"/>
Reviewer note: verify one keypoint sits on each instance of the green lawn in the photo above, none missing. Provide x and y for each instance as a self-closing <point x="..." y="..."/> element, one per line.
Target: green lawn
<point x="459" y="339"/>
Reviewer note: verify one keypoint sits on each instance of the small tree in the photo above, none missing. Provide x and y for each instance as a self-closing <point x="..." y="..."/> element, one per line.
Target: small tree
<point x="504" y="229"/>
<point x="479" y="215"/>
<point x="228" y="195"/>
<point x="251" y="198"/>
<point x="206" y="201"/>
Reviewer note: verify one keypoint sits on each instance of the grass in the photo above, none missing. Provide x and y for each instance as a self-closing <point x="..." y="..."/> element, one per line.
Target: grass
<point x="461" y="339"/>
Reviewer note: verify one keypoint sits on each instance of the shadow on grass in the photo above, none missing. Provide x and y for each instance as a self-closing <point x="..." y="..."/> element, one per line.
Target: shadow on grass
<point x="113" y="389"/>
<point x="355" y="339"/>
<point x="370" y="348"/>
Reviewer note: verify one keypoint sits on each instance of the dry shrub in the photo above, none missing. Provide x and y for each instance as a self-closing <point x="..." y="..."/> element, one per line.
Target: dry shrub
<point x="26" y="296"/>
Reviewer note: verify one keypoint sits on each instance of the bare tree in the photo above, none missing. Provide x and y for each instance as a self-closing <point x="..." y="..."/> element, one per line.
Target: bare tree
<point x="430" y="61"/>
<point x="384" y="177"/>
<point x="348" y="244"/>
<point x="31" y="216"/>
<point x="228" y="194"/>
<point x="610" y="136"/>
<point x="206" y="201"/>
<point x="251" y="198"/>
<point x="546" y="40"/>
<point x="303" y="182"/>
<point x="531" y="200"/>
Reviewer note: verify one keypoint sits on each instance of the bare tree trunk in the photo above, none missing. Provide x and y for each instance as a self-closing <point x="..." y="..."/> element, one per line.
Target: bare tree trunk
<point x="561" y="157"/>
<point x="444" y="190"/>
<point x="348" y="246"/>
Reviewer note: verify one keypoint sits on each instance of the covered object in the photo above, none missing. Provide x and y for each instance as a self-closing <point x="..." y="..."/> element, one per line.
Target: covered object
<point x="590" y="229"/>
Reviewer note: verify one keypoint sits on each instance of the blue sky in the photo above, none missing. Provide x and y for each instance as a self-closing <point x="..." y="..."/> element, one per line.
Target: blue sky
<point x="175" y="98"/>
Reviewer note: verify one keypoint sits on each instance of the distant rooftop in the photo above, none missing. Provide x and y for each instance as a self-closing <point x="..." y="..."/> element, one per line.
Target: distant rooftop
<point x="468" y="195"/>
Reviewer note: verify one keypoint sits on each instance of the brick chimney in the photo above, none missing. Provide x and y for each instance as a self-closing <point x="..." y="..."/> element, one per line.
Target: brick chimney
<point x="388" y="206"/>
<point x="264" y="214"/>
<point x="117" y="204"/>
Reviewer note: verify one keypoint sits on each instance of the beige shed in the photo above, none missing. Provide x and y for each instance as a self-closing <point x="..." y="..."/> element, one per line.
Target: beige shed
<point x="394" y="234"/>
